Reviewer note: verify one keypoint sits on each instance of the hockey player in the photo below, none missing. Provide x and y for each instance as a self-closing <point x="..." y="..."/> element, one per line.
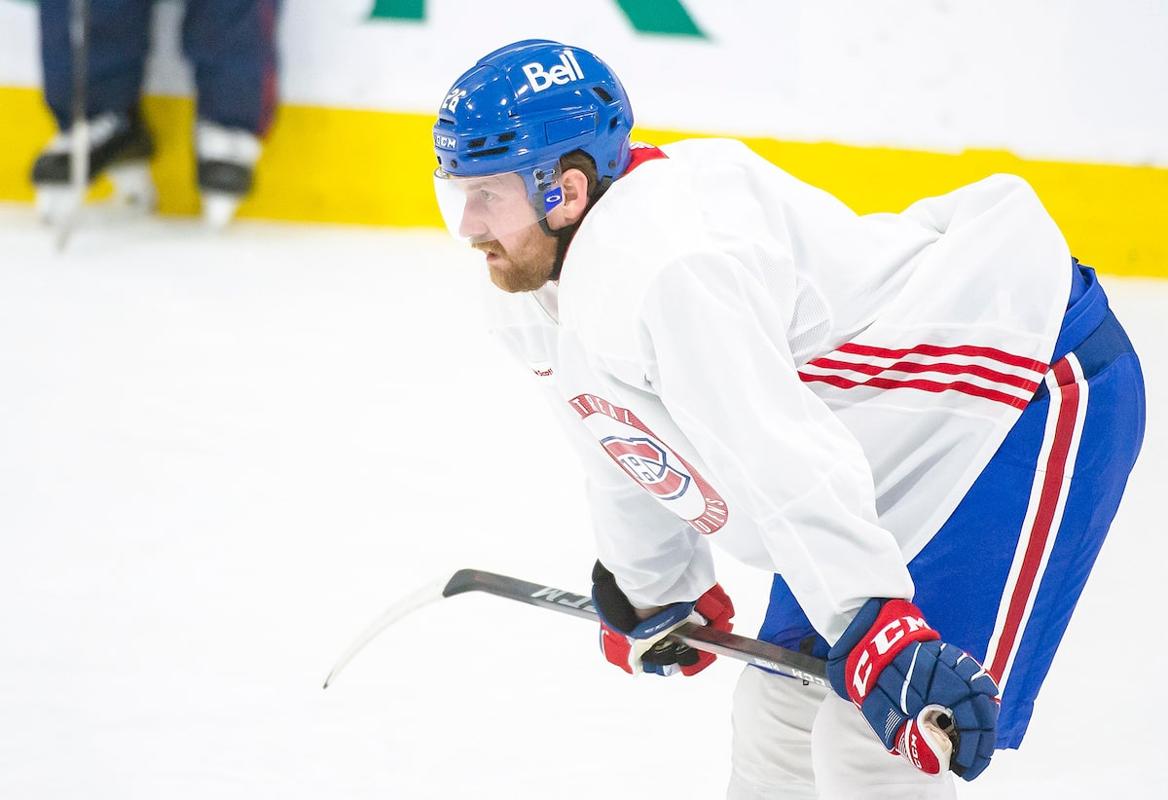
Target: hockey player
<point x="231" y="45"/>
<point x="921" y="423"/>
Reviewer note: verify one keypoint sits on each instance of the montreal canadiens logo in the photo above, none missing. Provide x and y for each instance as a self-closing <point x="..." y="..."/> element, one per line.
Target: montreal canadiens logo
<point x="657" y="468"/>
<point x="647" y="463"/>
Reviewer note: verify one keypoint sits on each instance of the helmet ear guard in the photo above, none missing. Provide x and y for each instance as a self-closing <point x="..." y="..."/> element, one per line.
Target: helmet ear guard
<point x="547" y="192"/>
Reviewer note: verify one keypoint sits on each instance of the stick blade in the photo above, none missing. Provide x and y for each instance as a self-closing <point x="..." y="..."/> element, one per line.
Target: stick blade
<point x="424" y="596"/>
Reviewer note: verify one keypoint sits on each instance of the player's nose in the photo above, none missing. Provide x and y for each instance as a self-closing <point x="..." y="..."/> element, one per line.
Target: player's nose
<point x="471" y="226"/>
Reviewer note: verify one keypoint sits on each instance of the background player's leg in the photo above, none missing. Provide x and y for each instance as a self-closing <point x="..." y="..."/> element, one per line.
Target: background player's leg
<point x="119" y="37"/>
<point x="771" y="746"/>
<point x="232" y="46"/>
<point x="118" y="40"/>
<point x="850" y="762"/>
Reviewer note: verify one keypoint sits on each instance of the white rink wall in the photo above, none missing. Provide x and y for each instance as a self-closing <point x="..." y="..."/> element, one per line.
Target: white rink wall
<point x="1079" y="81"/>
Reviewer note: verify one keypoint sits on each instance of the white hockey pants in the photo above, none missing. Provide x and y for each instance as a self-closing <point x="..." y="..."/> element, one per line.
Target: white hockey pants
<point x="800" y="742"/>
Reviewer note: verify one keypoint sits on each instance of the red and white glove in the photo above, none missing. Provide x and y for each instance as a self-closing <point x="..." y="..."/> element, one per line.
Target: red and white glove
<point x="638" y="645"/>
<point x="926" y="700"/>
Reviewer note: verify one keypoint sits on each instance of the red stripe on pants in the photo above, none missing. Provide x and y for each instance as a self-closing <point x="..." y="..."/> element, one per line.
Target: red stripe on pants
<point x="1052" y="488"/>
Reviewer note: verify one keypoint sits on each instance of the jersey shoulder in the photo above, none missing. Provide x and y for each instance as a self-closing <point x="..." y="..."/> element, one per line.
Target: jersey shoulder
<point x="690" y="208"/>
<point x="646" y="220"/>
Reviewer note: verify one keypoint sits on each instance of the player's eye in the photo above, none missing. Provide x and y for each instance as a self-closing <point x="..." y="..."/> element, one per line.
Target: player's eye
<point x="487" y="195"/>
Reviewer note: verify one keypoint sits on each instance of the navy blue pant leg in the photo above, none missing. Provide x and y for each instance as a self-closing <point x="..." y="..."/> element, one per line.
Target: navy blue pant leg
<point x="232" y="46"/>
<point x="119" y="37"/>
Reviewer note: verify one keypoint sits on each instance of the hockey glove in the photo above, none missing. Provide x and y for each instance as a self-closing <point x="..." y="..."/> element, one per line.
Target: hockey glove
<point x="909" y="685"/>
<point x="637" y="645"/>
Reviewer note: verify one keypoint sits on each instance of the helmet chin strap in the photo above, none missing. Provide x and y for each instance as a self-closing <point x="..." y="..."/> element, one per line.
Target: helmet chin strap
<point x="564" y="235"/>
<point x="563" y="238"/>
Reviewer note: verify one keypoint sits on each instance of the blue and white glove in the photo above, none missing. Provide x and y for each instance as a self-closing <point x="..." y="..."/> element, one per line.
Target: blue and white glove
<point x="909" y="685"/>
<point x="637" y="645"/>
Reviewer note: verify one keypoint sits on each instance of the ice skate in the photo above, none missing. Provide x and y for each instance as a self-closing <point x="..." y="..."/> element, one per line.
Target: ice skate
<point x="226" y="166"/>
<point x="119" y="147"/>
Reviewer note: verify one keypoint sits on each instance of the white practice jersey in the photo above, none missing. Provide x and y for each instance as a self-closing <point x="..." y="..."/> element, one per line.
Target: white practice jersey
<point x="741" y="359"/>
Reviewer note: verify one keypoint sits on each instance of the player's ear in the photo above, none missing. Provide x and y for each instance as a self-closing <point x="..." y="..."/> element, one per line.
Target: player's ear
<point x="575" y="186"/>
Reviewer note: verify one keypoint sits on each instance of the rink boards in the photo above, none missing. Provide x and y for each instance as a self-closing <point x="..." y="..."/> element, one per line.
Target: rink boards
<point x="374" y="168"/>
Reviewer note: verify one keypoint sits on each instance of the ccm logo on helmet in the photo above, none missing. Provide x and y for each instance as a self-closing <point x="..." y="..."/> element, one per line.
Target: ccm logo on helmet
<point x="566" y="71"/>
<point x="445" y="142"/>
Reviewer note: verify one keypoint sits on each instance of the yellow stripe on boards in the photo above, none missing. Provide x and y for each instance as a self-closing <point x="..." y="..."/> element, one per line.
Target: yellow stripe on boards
<point x="25" y="127"/>
<point x="318" y="165"/>
<point x="1115" y="217"/>
<point x="374" y="168"/>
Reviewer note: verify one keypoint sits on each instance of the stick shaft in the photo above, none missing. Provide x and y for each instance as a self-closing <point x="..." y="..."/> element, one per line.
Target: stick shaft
<point x="79" y="126"/>
<point x="761" y="654"/>
<point x="752" y="651"/>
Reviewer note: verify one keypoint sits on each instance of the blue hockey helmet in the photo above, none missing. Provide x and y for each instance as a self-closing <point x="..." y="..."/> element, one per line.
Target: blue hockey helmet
<point x="517" y="111"/>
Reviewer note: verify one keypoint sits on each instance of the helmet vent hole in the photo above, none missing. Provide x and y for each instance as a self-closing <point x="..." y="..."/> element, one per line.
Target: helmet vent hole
<point x="604" y="96"/>
<point x="474" y="144"/>
<point x="612" y="123"/>
<point x="506" y="137"/>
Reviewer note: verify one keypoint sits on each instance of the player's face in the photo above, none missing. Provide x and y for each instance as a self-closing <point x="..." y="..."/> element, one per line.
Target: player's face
<point x="497" y="218"/>
<point x="492" y="206"/>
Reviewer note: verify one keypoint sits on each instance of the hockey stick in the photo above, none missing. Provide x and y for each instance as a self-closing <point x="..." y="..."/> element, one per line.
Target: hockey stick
<point x="761" y="654"/>
<point x="79" y="141"/>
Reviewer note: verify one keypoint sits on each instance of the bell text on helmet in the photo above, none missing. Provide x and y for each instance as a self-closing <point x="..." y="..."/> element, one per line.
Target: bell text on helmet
<point x="566" y="71"/>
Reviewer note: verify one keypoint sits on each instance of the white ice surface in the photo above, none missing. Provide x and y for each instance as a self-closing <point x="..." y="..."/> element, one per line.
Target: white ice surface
<point x="221" y="456"/>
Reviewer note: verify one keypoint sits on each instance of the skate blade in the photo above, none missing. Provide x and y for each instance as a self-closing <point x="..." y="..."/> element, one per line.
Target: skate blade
<point x="219" y="209"/>
<point x="133" y="186"/>
<point x="55" y="203"/>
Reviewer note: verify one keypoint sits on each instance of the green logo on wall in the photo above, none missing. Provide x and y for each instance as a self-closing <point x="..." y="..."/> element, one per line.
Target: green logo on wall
<point x="667" y="17"/>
